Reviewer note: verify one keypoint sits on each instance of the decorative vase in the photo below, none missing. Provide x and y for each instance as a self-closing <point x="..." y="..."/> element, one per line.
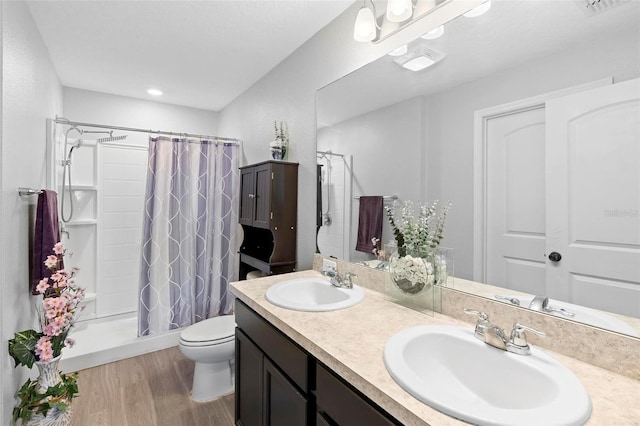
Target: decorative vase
<point x="412" y="274"/>
<point x="409" y="273"/>
<point x="49" y="375"/>
<point x="278" y="150"/>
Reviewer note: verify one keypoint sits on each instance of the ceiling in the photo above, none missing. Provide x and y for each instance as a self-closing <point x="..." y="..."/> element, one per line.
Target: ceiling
<point x="512" y="33"/>
<point x="201" y="54"/>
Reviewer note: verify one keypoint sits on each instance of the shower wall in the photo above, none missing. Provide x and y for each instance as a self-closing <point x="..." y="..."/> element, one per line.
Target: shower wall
<point x="105" y="230"/>
<point x="121" y="202"/>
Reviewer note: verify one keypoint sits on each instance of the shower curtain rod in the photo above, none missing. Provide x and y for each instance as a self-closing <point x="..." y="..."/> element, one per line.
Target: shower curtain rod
<point x="62" y="120"/>
<point x="329" y="153"/>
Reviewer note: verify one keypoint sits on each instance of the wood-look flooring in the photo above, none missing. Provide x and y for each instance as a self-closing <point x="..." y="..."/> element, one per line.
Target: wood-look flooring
<point x="151" y="389"/>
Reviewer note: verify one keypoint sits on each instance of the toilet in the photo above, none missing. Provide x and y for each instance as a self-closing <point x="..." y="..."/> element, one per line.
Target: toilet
<point x="211" y="344"/>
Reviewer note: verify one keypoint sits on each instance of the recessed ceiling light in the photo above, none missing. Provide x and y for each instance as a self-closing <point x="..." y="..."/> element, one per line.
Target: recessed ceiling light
<point x="479" y="10"/>
<point x="435" y="33"/>
<point x="154" y="92"/>
<point x="418" y="63"/>
<point x="398" y="51"/>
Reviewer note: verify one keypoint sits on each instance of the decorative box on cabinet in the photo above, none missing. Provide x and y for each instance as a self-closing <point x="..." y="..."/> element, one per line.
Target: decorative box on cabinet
<point x="268" y="215"/>
<point x="279" y="383"/>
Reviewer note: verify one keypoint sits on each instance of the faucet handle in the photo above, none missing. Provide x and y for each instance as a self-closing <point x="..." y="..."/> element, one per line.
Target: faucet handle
<point x="482" y="316"/>
<point x="518" y="336"/>
<point x="481" y="325"/>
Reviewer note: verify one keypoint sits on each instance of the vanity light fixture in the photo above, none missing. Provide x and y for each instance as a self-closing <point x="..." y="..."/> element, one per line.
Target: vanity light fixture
<point x="434" y="34"/>
<point x="399" y="10"/>
<point x="479" y="10"/>
<point x="154" y="92"/>
<point x="365" y="28"/>
<point x="398" y="51"/>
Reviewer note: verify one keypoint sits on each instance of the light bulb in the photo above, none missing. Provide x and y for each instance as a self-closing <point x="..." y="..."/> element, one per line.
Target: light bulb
<point x="433" y="34"/>
<point x="365" y="27"/>
<point x="398" y="51"/>
<point x="479" y="10"/>
<point x="399" y="10"/>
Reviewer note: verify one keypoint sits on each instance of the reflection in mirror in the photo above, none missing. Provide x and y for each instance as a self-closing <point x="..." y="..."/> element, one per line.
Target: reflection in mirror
<point x="529" y="126"/>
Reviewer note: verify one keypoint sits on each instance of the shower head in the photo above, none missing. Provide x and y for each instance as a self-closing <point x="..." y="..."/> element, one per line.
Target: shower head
<point x="111" y="138"/>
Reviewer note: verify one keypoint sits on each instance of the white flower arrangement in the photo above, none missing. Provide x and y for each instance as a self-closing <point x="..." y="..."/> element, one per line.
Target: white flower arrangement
<point x="281" y="142"/>
<point x="418" y="264"/>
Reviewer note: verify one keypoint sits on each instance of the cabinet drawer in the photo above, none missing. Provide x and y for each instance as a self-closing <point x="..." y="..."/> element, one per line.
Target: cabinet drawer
<point x="343" y="405"/>
<point x="292" y="360"/>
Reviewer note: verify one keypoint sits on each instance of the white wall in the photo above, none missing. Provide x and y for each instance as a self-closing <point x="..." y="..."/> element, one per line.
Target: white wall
<point x="101" y="108"/>
<point x="288" y="93"/>
<point x="31" y="93"/>
<point x="386" y="146"/>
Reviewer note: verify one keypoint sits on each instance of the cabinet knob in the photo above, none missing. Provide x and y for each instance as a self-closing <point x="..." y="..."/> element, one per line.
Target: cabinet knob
<point x="252" y="196"/>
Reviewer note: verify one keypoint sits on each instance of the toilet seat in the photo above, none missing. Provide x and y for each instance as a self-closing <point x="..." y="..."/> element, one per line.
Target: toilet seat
<point x="210" y="332"/>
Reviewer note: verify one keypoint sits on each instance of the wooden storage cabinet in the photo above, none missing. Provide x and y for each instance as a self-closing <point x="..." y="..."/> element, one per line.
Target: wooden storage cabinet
<point x="279" y="383"/>
<point x="268" y="215"/>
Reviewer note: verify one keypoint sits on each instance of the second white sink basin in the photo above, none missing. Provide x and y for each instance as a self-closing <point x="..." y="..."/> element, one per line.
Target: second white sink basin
<point x="313" y="295"/>
<point x="447" y="368"/>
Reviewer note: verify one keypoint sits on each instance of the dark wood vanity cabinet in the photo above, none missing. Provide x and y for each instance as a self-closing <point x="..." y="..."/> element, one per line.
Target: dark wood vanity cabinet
<point x="268" y="215"/>
<point x="271" y="374"/>
<point x="279" y="383"/>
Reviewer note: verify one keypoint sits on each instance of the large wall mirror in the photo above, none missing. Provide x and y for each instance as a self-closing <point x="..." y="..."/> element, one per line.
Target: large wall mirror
<point x="529" y="125"/>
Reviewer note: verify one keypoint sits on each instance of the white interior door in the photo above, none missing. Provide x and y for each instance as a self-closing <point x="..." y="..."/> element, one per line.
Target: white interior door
<point x="593" y="198"/>
<point x="515" y="197"/>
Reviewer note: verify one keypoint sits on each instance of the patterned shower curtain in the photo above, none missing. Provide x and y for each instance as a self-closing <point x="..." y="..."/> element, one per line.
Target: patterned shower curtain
<point x="189" y="233"/>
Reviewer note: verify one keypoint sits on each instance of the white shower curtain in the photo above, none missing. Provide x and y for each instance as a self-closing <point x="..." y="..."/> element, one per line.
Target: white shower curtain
<point x="189" y="233"/>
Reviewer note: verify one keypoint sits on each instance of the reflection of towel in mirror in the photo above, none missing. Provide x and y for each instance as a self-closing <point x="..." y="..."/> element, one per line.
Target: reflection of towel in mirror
<point x="45" y="236"/>
<point x="369" y="223"/>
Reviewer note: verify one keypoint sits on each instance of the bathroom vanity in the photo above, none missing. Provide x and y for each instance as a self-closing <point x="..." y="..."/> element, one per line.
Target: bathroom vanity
<point x="326" y="368"/>
<point x="280" y="383"/>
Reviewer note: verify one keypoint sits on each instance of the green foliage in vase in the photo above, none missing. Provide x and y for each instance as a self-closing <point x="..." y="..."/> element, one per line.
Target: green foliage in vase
<point x="33" y="402"/>
<point x="417" y="237"/>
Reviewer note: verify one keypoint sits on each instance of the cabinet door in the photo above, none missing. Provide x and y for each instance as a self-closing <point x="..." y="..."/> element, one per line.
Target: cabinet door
<point x="262" y="212"/>
<point x="343" y="405"/>
<point x="249" y="367"/>
<point x="247" y="195"/>
<point x="283" y="404"/>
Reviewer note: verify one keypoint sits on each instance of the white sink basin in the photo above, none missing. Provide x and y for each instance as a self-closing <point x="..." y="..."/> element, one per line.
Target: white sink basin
<point x="447" y="368"/>
<point x="313" y="294"/>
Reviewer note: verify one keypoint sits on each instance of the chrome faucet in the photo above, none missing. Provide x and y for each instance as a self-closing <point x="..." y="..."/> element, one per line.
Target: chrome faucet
<point x="495" y="336"/>
<point x="339" y="281"/>
<point x="541" y="304"/>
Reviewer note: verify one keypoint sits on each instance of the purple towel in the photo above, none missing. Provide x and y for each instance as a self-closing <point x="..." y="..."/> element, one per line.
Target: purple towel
<point x="369" y="223"/>
<point x="45" y="236"/>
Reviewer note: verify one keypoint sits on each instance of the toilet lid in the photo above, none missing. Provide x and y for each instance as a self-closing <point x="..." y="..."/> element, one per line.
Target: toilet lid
<point x="211" y="329"/>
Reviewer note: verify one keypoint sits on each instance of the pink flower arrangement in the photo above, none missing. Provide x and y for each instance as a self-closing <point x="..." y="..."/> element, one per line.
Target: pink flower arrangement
<point x="57" y="312"/>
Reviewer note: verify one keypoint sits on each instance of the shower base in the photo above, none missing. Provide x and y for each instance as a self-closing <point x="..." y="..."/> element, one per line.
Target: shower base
<point x="105" y="340"/>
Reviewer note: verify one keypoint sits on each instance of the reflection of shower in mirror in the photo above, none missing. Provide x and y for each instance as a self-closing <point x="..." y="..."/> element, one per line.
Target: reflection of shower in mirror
<point x="332" y="176"/>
